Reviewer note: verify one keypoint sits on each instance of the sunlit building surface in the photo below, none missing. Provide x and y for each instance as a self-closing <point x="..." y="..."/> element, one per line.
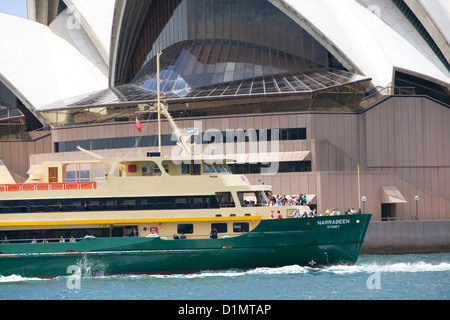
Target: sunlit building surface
<point x="312" y="88"/>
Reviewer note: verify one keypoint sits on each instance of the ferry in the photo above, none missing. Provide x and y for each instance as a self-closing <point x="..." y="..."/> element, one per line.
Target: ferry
<point x="159" y="214"/>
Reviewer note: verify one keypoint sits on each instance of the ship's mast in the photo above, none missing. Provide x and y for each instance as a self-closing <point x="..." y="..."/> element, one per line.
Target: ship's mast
<point x="182" y="138"/>
<point x="158" y="55"/>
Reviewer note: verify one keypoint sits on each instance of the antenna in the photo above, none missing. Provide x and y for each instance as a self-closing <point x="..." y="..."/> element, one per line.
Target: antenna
<point x="158" y="55"/>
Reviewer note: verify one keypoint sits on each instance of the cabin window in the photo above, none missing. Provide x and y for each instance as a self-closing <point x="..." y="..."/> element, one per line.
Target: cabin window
<point x="220" y="227"/>
<point x="185" y="229"/>
<point x="241" y="227"/>
<point x="92" y="205"/>
<point x="185" y="168"/>
<point x="128" y="204"/>
<point x="225" y="199"/>
<point x="196" y="169"/>
<point x="222" y="168"/>
<point x="207" y="168"/>
<point x="107" y="204"/>
<point x="251" y="199"/>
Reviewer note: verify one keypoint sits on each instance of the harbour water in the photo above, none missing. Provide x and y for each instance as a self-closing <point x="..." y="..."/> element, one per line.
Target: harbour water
<point x="374" y="277"/>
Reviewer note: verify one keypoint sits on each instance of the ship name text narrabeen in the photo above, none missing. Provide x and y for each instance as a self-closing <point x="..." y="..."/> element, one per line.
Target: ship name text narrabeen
<point x="333" y="222"/>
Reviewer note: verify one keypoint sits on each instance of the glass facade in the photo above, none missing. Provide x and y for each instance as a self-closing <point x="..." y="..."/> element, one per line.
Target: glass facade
<point x="15" y="118"/>
<point x="223" y="40"/>
<point x="219" y="58"/>
<point x="11" y="118"/>
<point x="289" y="134"/>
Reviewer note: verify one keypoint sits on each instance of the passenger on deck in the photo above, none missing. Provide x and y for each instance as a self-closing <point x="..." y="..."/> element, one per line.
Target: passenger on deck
<point x="6" y="241"/>
<point x="134" y="233"/>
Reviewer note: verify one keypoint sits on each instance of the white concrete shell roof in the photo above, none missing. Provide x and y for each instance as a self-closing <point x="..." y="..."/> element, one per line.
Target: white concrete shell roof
<point x="360" y="40"/>
<point x="40" y="67"/>
<point x="96" y="18"/>
<point x="435" y="17"/>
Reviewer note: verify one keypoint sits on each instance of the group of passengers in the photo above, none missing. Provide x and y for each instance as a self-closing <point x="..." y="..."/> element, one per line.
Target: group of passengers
<point x="328" y="212"/>
<point x="294" y="200"/>
<point x="302" y="200"/>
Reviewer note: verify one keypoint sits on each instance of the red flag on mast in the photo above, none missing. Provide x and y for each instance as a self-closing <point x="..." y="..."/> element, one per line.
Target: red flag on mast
<point x="138" y="125"/>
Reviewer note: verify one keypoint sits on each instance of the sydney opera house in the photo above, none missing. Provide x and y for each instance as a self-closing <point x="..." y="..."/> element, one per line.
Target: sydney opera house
<point x="320" y="87"/>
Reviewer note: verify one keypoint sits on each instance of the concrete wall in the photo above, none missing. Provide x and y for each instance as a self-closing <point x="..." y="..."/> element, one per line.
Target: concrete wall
<point x="16" y="155"/>
<point x="403" y="237"/>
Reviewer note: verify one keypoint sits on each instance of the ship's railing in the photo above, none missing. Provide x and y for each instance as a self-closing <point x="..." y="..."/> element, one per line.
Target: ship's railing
<point x="54" y="186"/>
<point x="38" y="241"/>
<point x="74" y="240"/>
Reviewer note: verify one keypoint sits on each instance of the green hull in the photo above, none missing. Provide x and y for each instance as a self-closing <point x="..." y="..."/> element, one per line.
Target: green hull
<point x="273" y="243"/>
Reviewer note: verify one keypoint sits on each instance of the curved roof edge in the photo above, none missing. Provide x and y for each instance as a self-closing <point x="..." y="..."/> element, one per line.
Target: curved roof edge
<point x="115" y="37"/>
<point x="375" y="49"/>
<point x="128" y="19"/>
<point x="96" y="19"/>
<point x="94" y="16"/>
<point x="53" y="71"/>
<point x="298" y="17"/>
<point x="434" y="16"/>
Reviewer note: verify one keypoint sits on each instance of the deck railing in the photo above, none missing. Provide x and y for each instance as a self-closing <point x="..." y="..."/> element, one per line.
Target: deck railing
<point x="59" y="186"/>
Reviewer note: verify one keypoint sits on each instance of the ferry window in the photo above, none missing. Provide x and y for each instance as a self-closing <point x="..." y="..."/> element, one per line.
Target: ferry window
<point x="226" y="168"/>
<point x="241" y="227"/>
<point x="217" y="167"/>
<point x="222" y="168"/>
<point x="147" y="204"/>
<point x="225" y="199"/>
<point x="73" y="205"/>
<point x="109" y="204"/>
<point x="201" y="202"/>
<point x="251" y="199"/>
<point x="196" y="169"/>
<point x="5" y="206"/>
<point x="92" y="205"/>
<point x="207" y="168"/>
<point x="56" y="206"/>
<point x="185" y="168"/>
<point x="220" y="227"/>
<point x="185" y="229"/>
<point x="128" y="204"/>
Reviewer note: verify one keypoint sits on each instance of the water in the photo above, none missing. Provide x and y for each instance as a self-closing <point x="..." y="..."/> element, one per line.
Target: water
<point x="374" y="277"/>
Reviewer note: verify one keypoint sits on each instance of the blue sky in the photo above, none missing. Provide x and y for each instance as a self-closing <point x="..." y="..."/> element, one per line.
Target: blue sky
<point x="14" y="7"/>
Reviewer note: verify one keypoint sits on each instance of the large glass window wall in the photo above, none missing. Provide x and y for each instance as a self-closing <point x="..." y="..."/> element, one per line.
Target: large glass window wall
<point x="208" y="42"/>
<point x="12" y="120"/>
<point x="220" y="57"/>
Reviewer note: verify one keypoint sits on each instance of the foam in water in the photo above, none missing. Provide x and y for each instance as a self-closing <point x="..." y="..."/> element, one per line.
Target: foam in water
<point x="368" y="268"/>
<point x="389" y="268"/>
<point x="15" y="278"/>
